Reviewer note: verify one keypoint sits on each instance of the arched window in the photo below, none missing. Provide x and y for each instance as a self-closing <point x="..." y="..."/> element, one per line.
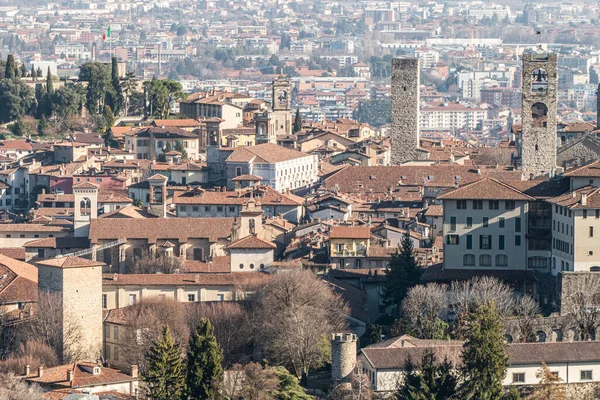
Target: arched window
<point x="241" y="266"/>
<point x="252" y="227"/>
<point x="85" y="206"/>
<point x="485" y="260"/>
<point x="501" y="260"/>
<point x="262" y="266"/>
<point x="251" y="266"/>
<point x="539" y="113"/>
<point x="469" y="260"/>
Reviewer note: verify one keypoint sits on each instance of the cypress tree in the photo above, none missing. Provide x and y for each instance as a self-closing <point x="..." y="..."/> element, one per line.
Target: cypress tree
<point x="116" y="84"/>
<point x="402" y="274"/>
<point x="10" y="68"/>
<point x="23" y="70"/>
<point x="204" y="368"/>
<point x="39" y="72"/>
<point x="49" y="85"/>
<point x="484" y="355"/>
<point x="164" y="375"/>
<point x="297" y="122"/>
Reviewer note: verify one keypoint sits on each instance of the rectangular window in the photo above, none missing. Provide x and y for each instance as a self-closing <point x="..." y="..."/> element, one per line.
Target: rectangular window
<point x="494" y="204"/>
<point x="485" y="242"/>
<point x="597" y="214"/>
<point x="340" y="247"/>
<point x="451" y="239"/>
<point x="519" y="377"/>
<point x="469" y="242"/>
<point x="501" y="242"/>
<point x="219" y="209"/>
<point x="452" y="224"/>
<point x="104" y="301"/>
<point x="485" y="222"/>
<point x="107" y="351"/>
<point x="509" y="204"/>
<point x="231" y="209"/>
<point x="41" y="254"/>
<point x="116" y="332"/>
<point x="591" y="231"/>
<point x="191" y="297"/>
<point x="195" y="208"/>
<point x="107" y="331"/>
<point x="501" y="222"/>
<point x="517" y="224"/>
<point x="461" y="204"/>
<point x="477" y="204"/>
<point x="116" y="354"/>
<point x="584" y="214"/>
<point x="207" y="208"/>
<point x="517" y="240"/>
<point x="132" y="298"/>
<point x="469" y="222"/>
<point x="586" y="375"/>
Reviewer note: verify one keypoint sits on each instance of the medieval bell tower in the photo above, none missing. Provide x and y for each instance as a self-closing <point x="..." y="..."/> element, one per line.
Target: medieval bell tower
<point x="539" y="101"/>
<point x="278" y="121"/>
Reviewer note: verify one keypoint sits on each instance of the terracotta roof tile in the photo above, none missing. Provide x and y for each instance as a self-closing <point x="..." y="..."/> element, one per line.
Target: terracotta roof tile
<point x="589" y="195"/>
<point x="350" y="232"/>
<point x="251" y="242"/>
<point x="69" y="262"/>
<point x="82" y="377"/>
<point x="264" y="153"/>
<point x="591" y="170"/>
<point x="487" y="188"/>
<point x="208" y="279"/>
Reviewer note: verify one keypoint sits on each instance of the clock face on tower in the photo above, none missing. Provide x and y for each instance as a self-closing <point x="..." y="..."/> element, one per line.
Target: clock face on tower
<point x="282" y="98"/>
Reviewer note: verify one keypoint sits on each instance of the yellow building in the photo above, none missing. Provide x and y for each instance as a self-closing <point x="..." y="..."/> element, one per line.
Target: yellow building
<point x="349" y="245"/>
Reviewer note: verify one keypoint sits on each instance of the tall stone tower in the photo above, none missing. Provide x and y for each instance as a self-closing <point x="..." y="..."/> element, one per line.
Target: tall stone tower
<point x="158" y="195"/>
<point x="406" y="100"/>
<point x="598" y="107"/>
<point x="77" y="283"/>
<point x="279" y="120"/>
<point x="538" y="113"/>
<point x="343" y="359"/>
<point x="86" y="207"/>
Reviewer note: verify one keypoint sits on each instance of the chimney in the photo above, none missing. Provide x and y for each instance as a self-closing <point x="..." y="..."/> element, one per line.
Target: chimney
<point x="69" y="375"/>
<point x="134" y="371"/>
<point x="40" y="371"/>
<point x="27" y="370"/>
<point x="583" y="199"/>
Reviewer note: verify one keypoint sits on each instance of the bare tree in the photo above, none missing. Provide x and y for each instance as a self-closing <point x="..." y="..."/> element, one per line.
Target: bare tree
<point x="422" y="309"/>
<point x="33" y="353"/>
<point x="581" y="299"/>
<point x="360" y="388"/>
<point x="158" y="265"/>
<point x="14" y="388"/>
<point x="296" y="312"/>
<point x="233" y="329"/>
<point x="526" y="308"/>
<point x="259" y="382"/>
<point x="466" y="296"/>
<point x="56" y="327"/>
<point x="145" y="322"/>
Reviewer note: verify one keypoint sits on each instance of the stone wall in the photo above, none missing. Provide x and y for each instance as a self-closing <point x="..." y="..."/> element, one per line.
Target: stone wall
<point x="539" y="140"/>
<point x="578" y="152"/>
<point x="573" y="391"/>
<point x="405" y="109"/>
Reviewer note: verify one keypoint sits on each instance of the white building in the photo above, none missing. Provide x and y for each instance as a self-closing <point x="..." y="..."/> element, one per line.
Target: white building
<point x="451" y="116"/>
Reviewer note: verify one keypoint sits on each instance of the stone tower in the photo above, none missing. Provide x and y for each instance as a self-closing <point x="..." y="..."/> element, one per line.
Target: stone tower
<point x="279" y="120"/>
<point x="406" y="101"/>
<point x="538" y="113"/>
<point x="77" y="283"/>
<point x="86" y="207"/>
<point x="598" y="107"/>
<point x="343" y="359"/>
<point x="158" y="195"/>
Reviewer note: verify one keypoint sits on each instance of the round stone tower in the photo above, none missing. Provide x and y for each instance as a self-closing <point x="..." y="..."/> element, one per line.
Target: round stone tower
<point x="343" y="358"/>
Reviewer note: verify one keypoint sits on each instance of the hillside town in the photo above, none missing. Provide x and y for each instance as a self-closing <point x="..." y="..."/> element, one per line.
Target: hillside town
<point x="299" y="200"/>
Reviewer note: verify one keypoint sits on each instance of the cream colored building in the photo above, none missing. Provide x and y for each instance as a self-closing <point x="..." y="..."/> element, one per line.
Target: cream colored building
<point x="576" y="230"/>
<point x="485" y="226"/>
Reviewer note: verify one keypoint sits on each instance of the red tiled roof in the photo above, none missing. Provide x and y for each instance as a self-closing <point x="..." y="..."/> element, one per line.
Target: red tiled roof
<point x="208" y="279"/>
<point x="251" y="242"/>
<point x="264" y="153"/>
<point x="18" y="281"/>
<point x="69" y="262"/>
<point x="350" y="232"/>
<point x="82" y="377"/>
<point x="487" y="188"/>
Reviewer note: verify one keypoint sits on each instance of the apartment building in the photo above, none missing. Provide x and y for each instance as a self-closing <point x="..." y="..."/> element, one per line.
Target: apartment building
<point x="451" y="115"/>
<point x="485" y="226"/>
<point x="149" y="143"/>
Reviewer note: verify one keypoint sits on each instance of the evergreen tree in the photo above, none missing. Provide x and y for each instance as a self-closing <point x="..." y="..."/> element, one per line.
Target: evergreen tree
<point x="484" y="355"/>
<point x="297" y="122"/>
<point x="116" y="84"/>
<point x="164" y="375"/>
<point x="49" y="85"/>
<point x="204" y="370"/>
<point x="429" y="381"/>
<point x="39" y="72"/>
<point x="11" y="67"/>
<point x="288" y="387"/>
<point x="402" y="274"/>
<point x="23" y="70"/>
<point x="179" y="148"/>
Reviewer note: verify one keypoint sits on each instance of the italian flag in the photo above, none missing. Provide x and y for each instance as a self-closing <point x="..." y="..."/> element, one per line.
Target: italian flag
<point x="107" y="34"/>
